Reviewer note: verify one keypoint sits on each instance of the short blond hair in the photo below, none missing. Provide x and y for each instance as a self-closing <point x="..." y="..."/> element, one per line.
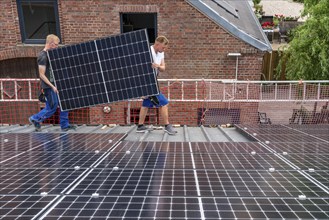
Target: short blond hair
<point x="162" y="40"/>
<point x="51" y="38"/>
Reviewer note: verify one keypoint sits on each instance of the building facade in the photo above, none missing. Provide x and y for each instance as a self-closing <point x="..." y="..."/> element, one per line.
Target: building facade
<point x="202" y="33"/>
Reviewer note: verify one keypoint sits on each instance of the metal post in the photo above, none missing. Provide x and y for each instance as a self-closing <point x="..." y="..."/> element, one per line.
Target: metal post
<point x="236" y="68"/>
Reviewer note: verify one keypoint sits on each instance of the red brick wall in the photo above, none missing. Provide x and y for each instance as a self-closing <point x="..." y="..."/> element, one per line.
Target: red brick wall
<point x="9" y="29"/>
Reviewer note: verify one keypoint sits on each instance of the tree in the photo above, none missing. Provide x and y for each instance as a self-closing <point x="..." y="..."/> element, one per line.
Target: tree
<point x="256" y="2"/>
<point x="307" y="56"/>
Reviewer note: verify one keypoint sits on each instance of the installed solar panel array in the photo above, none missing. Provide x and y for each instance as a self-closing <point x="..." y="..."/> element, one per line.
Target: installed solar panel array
<point x="102" y="71"/>
<point x="95" y="176"/>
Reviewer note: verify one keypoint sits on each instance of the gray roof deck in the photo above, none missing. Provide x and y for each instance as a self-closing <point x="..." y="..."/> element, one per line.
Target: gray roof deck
<point x="185" y="133"/>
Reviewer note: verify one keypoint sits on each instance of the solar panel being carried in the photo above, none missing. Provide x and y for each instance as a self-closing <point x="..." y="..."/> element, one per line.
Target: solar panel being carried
<point x="102" y="71"/>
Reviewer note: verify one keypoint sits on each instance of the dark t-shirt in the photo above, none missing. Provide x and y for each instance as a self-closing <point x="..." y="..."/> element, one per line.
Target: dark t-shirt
<point x="43" y="61"/>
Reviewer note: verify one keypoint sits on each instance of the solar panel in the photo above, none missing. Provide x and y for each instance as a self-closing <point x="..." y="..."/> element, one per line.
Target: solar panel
<point x="15" y="206"/>
<point x="307" y="161"/>
<point x="187" y="208"/>
<point x="228" y="147"/>
<point x="158" y="160"/>
<point x="292" y="138"/>
<point x="160" y="180"/>
<point x="35" y="138"/>
<point x="28" y="181"/>
<point x="265" y="208"/>
<point x="53" y="159"/>
<point x="301" y="148"/>
<point x="255" y="183"/>
<point x="322" y="177"/>
<point x="127" y="207"/>
<point x="320" y="131"/>
<point x="137" y="182"/>
<point x="285" y="134"/>
<point x="60" y="141"/>
<point x="102" y="71"/>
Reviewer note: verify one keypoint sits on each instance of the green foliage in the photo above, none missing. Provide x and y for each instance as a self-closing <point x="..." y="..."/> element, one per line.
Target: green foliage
<point x="258" y="8"/>
<point x="307" y="56"/>
<point x="256" y="2"/>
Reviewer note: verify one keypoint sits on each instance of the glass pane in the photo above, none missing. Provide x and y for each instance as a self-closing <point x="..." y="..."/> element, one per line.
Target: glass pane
<point x="39" y="19"/>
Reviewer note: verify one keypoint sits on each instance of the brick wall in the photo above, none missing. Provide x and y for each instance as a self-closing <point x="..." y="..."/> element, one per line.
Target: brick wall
<point x="198" y="47"/>
<point x="9" y="29"/>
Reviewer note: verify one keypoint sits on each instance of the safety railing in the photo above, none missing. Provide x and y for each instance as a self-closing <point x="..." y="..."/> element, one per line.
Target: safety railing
<point x="216" y="90"/>
<point x="190" y="90"/>
<point x="13" y="90"/>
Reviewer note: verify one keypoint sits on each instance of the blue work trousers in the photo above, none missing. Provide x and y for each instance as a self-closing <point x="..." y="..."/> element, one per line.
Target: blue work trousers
<point x="50" y="109"/>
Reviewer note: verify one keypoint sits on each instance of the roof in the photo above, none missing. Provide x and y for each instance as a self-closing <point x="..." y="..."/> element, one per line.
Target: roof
<point x="283" y="7"/>
<point x="237" y="18"/>
<point x="185" y="133"/>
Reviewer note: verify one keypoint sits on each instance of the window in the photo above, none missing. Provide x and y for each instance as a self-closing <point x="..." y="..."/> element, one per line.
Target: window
<point x="137" y="21"/>
<point x="37" y="19"/>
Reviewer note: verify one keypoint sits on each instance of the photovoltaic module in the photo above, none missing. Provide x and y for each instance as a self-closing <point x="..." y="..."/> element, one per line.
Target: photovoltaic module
<point x="102" y="71"/>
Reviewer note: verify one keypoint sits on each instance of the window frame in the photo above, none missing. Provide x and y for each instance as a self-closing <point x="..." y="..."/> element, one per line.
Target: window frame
<point x="22" y="23"/>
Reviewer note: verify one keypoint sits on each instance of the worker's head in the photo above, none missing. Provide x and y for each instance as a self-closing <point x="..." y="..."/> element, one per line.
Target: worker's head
<point x="52" y="41"/>
<point x="161" y="44"/>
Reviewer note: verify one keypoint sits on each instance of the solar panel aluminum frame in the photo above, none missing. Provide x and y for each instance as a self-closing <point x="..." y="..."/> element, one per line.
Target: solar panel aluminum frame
<point x="106" y="70"/>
